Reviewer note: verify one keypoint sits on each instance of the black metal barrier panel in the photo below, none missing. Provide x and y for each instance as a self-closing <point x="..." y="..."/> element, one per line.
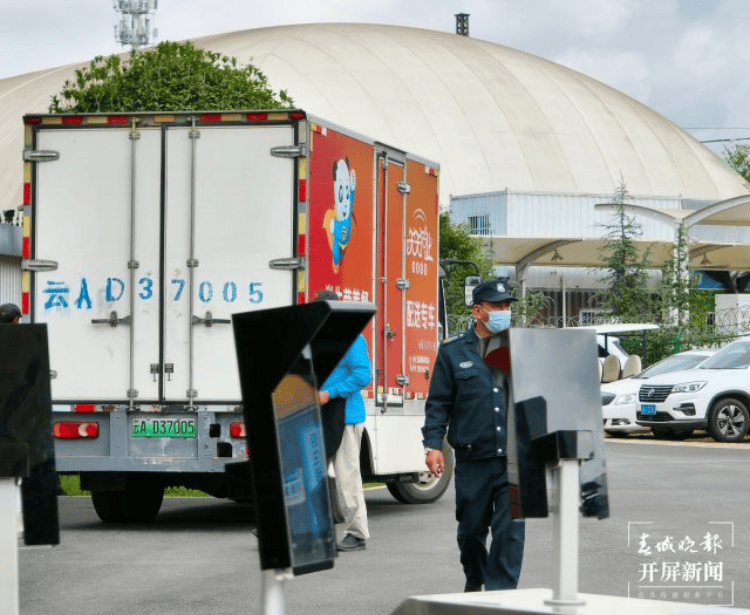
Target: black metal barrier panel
<point x="283" y="355"/>
<point x="556" y="415"/>
<point x="26" y="443"/>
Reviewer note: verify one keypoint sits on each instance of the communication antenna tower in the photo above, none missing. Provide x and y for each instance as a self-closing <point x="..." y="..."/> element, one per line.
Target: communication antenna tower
<point x="134" y="27"/>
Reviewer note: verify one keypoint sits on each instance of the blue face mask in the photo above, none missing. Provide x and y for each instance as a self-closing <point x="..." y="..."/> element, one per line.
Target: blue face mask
<point x="499" y="320"/>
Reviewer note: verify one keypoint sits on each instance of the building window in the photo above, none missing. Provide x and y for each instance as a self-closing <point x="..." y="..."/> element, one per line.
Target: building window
<point x="480" y="225"/>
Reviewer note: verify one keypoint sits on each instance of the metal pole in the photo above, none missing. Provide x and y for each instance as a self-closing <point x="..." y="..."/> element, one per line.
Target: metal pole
<point x="272" y="591"/>
<point x="565" y="483"/>
<point x="9" y="595"/>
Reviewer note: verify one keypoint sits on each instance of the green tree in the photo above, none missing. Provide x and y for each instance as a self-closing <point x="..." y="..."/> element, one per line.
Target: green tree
<point x="170" y="77"/>
<point x="738" y="158"/>
<point x="627" y="296"/>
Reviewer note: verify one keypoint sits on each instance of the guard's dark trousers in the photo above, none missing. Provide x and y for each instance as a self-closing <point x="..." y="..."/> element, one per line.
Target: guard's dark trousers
<point x="482" y="503"/>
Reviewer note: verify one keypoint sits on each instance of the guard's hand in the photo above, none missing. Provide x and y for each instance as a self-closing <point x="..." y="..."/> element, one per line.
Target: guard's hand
<point x="435" y="462"/>
<point x="323" y="398"/>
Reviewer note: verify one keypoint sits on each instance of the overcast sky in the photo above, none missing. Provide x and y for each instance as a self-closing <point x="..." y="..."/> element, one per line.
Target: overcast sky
<point x="687" y="59"/>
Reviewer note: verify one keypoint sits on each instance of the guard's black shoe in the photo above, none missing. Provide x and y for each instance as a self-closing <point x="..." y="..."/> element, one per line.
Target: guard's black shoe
<point x="351" y="543"/>
<point x="472" y="588"/>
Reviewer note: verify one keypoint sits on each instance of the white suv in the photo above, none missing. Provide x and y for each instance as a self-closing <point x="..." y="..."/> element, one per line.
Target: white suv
<point x="619" y="398"/>
<point x="714" y="396"/>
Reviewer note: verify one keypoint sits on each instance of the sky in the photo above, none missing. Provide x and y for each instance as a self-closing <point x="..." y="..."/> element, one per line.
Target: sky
<point x="686" y="59"/>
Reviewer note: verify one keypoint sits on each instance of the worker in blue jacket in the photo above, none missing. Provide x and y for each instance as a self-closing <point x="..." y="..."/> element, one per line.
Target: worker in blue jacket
<point x="351" y="375"/>
<point x="469" y="401"/>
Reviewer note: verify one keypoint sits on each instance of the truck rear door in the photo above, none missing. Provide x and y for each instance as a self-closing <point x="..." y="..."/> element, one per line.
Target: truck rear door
<point x="220" y="246"/>
<point x="159" y="235"/>
<point x="97" y="213"/>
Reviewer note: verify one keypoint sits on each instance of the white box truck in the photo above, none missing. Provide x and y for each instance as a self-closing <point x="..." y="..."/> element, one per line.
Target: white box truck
<point x="144" y="232"/>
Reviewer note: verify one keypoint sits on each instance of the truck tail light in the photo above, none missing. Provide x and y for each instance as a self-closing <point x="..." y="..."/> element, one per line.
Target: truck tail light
<point x="237" y="430"/>
<point x="84" y="407"/>
<point x="71" y="430"/>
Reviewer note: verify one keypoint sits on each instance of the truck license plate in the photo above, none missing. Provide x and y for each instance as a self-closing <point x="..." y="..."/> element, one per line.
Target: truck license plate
<point x="164" y="428"/>
<point x="648" y="409"/>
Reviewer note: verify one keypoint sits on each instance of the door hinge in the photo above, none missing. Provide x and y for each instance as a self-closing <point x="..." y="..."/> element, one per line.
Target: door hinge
<point x="38" y="264"/>
<point x="403" y="187"/>
<point x="40" y="155"/>
<point x="403" y="284"/>
<point x="289" y="151"/>
<point x="402" y="380"/>
<point x="287" y="264"/>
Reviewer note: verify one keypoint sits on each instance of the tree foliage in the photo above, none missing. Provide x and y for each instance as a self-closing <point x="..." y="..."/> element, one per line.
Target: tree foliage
<point x="627" y="296"/>
<point x="675" y="302"/>
<point x="170" y="77"/>
<point x="738" y="158"/>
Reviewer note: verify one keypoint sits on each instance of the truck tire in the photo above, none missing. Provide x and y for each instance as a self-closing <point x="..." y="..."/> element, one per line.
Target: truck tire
<point x="427" y="489"/>
<point x="110" y="506"/>
<point x="728" y="420"/>
<point x="139" y="503"/>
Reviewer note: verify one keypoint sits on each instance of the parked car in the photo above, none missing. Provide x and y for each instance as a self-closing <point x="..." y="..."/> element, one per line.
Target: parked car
<point x="714" y="396"/>
<point x="619" y="398"/>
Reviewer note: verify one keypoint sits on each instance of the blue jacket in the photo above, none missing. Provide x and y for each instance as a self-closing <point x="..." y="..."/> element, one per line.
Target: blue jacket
<point x="351" y="375"/>
<point x="464" y="394"/>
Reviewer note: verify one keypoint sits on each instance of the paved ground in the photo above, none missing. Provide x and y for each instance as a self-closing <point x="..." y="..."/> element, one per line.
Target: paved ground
<point x="200" y="556"/>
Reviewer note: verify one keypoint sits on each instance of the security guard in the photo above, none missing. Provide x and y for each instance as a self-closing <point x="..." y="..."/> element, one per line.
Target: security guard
<point x="465" y="394"/>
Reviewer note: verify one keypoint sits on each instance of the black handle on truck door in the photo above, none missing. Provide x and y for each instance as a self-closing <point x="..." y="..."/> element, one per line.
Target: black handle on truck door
<point x="112" y="321"/>
<point x="209" y="320"/>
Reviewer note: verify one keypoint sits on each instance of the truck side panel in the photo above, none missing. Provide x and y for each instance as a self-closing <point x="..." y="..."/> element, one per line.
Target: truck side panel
<point x="340" y="218"/>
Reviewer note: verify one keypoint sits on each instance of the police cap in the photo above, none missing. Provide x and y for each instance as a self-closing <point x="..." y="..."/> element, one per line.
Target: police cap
<point x="9" y="312"/>
<point x="493" y="291"/>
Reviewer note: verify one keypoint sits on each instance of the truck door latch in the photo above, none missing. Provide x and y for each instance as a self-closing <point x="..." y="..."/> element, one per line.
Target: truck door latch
<point x="209" y="320"/>
<point x="112" y="321"/>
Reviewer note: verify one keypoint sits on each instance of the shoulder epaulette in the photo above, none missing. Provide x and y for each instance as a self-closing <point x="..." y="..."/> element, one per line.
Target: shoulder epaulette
<point x="453" y="338"/>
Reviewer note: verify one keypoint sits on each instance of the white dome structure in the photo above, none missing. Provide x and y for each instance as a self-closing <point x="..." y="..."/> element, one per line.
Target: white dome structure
<point x="494" y="118"/>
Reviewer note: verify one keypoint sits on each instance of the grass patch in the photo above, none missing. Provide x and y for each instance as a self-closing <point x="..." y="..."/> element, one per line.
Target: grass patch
<point x="71" y="485"/>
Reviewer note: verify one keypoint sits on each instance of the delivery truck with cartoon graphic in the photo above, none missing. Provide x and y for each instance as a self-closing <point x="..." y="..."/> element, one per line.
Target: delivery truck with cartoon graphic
<point x="145" y="232"/>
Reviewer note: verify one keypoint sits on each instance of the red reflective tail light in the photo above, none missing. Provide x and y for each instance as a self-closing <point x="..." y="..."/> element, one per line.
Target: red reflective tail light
<point x="237" y="430"/>
<point x="71" y="430"/>
<point x="84" y="407"/>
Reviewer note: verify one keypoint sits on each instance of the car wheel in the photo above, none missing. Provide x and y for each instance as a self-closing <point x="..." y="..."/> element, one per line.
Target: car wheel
<point x="666" y="434"/>
<point x="729" y="420"/>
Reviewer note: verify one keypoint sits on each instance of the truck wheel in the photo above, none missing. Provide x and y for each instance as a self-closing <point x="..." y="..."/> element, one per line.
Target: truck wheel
<point x="427" y="489"/>
<point x="728" y="420"/>
<point x="145" y="497"/>
<point x="666" y="434"/>
<point x="109" y="506"/>
<point x="139" y="503"/>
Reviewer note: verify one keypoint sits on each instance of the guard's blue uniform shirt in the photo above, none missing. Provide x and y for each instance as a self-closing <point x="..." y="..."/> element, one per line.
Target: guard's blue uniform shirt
<point x="464" y="393"/>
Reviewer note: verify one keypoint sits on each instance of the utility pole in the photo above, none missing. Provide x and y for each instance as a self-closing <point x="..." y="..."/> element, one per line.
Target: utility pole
<point x="134" y="27"/>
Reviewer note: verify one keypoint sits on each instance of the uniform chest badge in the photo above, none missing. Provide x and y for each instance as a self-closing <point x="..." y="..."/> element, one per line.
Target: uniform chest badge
<point x="466" y="364"/>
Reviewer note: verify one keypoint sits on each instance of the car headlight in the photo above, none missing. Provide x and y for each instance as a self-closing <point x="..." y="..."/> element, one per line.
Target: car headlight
<point x="688" y="387"/>
<point x="627" y="398"/>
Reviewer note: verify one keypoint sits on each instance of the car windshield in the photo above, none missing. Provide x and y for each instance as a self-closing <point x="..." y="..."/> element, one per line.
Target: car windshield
<point x="674" y="363"/>
<point x="734" y="356"/>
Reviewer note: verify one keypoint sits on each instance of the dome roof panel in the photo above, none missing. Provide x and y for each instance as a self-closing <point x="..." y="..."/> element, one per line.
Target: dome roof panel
<point x="492" y="116"/>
